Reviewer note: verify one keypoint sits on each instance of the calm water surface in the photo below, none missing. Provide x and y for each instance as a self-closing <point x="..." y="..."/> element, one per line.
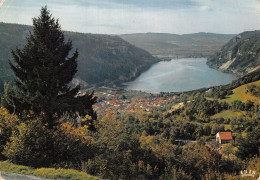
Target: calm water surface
<point x="179" y="75"/>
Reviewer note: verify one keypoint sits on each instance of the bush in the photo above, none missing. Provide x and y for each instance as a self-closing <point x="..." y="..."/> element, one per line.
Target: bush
<point x="33" y="144"/>
<point x="72" y="145"/>
<point x="175" y="174"/>
<point x="7" y="123"/>
<point x="249" y="146"/>
<point x="30" y="144"/>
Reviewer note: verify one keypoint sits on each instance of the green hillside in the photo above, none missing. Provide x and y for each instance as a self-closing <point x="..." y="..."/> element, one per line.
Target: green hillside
<point x="108" y="60"/>
<point x="10" y="37"/>
<point x="229" y="114"/>
<point x="240" y="101"/>
<point x="243" y="94"/>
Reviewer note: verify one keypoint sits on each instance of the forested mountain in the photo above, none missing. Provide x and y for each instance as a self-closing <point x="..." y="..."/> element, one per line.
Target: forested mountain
<point x="10" y="37"/>
<point x="169" y="46"/>
<point x="241" y="55"/>
<point x="103" y="59"/>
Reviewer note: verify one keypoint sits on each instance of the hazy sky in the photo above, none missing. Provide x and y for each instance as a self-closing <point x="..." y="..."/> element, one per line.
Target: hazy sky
<point x="135" y="16"/>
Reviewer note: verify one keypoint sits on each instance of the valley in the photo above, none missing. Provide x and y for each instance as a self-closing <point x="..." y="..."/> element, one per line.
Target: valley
<point x="103" y="59"/>
<point x="173" y="46"/>
<point x="108" y="59"/>
<point x="128" y="104"/>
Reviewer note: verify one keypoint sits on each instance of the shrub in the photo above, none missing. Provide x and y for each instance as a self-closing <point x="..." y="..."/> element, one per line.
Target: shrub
<point x="7" y="123"/>
<point x="72" y="145"/>
<point x="30" y="144"/>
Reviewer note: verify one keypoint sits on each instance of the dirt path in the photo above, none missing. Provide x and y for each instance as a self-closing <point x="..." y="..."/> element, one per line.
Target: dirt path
<point x="13" y="176"/>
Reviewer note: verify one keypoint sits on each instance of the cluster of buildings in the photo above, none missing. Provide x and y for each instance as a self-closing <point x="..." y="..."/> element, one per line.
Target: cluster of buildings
<point x="114" y="103"/>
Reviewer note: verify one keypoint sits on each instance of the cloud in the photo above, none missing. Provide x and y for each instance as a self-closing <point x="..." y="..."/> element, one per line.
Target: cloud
<point x="1" y="3"/>
<point x="206" y="8"/>
<point x="133" y="16"/>
<point x="144" y="4"/>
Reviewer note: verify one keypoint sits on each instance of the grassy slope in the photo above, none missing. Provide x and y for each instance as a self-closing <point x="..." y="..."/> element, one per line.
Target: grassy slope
<point x="241" y="94"/>
<point x="228" y="114"/>
<point x="45" y="172"/>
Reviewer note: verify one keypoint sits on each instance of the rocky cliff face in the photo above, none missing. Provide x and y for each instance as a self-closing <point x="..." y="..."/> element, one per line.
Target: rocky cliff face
<point x="241" y="55"/>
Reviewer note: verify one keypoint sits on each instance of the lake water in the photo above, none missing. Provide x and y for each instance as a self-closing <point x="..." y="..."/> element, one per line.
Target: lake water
<point x="179" y="75"/>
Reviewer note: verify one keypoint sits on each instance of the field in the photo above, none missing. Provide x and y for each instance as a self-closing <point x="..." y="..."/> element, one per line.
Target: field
<point x="241" y="93"/>
<point x="229" y="114"/>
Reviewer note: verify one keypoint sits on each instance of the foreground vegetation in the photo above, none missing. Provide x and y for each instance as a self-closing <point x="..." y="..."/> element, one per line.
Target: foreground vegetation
<point x="143" y="145"/>
<point x="45" y="172"/>
<point x="139" y="146"/>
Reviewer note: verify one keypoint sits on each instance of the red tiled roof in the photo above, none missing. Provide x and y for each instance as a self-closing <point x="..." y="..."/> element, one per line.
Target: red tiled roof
<point x="225" y="135"/>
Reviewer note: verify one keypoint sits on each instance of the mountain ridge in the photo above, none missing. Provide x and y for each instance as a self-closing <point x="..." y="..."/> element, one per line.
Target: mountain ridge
<point x="170" y="46"/>
<point x="240" y="56"/>
<point x="103" y="59"/>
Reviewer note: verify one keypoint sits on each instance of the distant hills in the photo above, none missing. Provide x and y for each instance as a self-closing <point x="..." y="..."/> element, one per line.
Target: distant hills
<point x="168" y="46"/>
<point x="103" y="59"/>
<point x="110" y="60"/>
<point x="241" y="55"/>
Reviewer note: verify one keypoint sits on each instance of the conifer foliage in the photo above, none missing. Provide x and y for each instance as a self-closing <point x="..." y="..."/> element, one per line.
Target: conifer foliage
<point x="43" y="70"/>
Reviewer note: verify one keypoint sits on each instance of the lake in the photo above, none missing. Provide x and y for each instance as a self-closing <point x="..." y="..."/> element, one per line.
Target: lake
<point x="179" y="75"/>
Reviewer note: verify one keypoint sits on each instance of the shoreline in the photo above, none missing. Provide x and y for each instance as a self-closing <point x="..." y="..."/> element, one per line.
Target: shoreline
<point x="162" y="75"/>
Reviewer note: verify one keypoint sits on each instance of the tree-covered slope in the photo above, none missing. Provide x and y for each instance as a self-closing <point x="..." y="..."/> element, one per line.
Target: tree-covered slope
<point x="241" y="55"/>
<point x="103" y="59"/>
<point x="168" y="46"/>
<point x="10" y="37"/>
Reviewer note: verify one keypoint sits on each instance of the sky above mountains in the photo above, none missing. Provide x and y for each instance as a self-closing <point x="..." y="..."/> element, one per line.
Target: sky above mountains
<point x="140" y="16"/>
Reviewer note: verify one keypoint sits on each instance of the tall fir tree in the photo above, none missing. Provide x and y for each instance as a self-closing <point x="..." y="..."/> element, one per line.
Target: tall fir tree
<point x="43" y="70"/>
